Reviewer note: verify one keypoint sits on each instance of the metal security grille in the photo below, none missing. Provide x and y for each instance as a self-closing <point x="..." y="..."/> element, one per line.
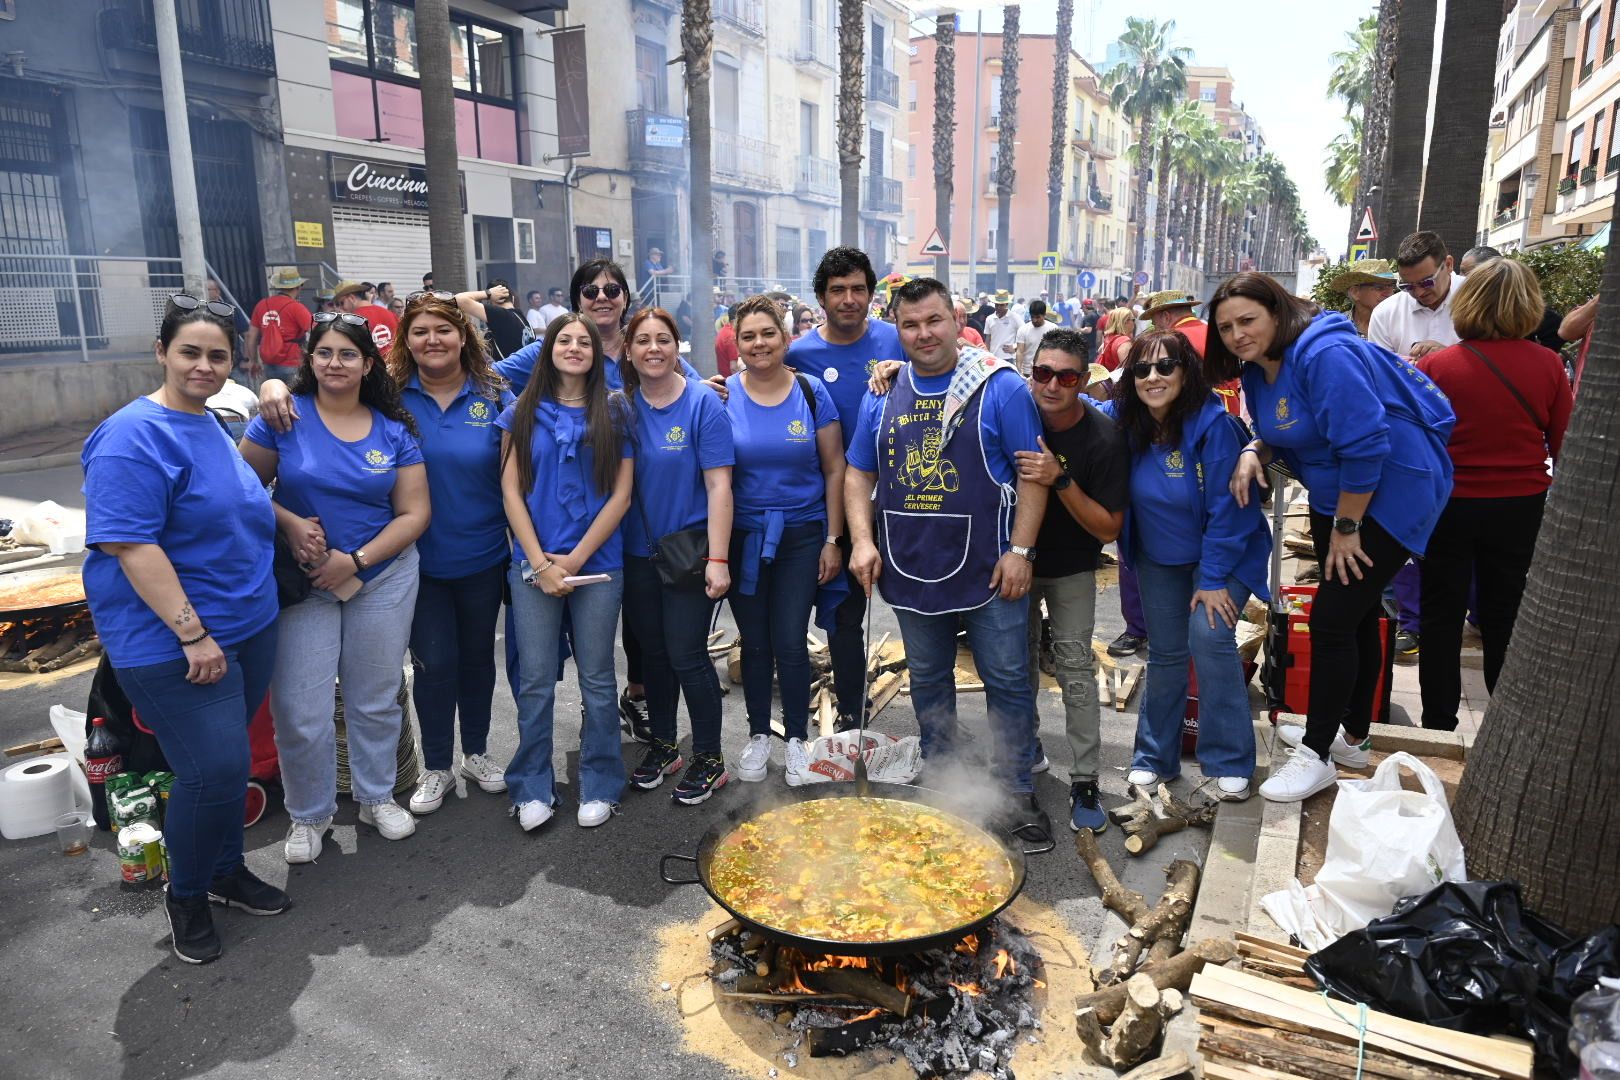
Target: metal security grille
<point x="31" y="218"/>
<point x="222" y="152"/>
<point x="382" y="245"/>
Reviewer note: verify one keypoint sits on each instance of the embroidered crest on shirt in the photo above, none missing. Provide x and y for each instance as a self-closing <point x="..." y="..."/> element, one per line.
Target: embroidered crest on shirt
<point x="375" y="457"/>
<point x="478" y="411"/>
<point x="675" y="437"/>
<point x="796" y="428"/>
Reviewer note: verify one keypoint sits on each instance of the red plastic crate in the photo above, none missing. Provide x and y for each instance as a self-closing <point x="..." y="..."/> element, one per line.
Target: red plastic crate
<point x="1294" y="657"/>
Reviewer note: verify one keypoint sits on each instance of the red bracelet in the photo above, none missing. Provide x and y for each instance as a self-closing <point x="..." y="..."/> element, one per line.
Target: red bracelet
<point x="707" y="559"/>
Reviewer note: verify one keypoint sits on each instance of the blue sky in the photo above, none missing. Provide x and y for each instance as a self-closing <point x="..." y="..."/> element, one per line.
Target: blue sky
<point x="1278" y="56"/>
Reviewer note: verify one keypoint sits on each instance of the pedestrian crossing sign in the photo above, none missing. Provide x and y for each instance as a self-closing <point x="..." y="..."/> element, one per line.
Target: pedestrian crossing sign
<point x="1360" y="251"/>
<point x="1049" y="262"/>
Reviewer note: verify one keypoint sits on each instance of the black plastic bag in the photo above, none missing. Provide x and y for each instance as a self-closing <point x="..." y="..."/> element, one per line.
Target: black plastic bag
<point x="1468" y="957"/>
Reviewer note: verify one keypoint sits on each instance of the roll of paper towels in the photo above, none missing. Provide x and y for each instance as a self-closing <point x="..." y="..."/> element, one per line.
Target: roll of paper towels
<point x="34" y="793"/>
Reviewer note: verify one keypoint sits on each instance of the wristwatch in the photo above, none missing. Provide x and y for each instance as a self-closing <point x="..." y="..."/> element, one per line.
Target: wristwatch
<point x="1063" y="481"/>
<point x="359" y="557"/>
<point x="1025" y="553"/>
<point x="1346" y="526"/>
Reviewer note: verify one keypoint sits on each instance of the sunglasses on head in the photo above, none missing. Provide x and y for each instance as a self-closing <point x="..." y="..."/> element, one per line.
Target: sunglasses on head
<point x="1408" y="286"/>
<point x="187" y="302"/>
<point x="443" y="295"/>
<point x="323" y="317"/>
<point x="611" y="290"/>
<point x="1163" y="366"/>
<point x="1043" y="375"/>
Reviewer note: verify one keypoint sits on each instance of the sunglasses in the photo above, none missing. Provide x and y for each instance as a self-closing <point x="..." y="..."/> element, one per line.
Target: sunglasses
<point x="611" y="290"/>
<point x="1043" y="375"/>
<point x="321" y="318"/>
<point x="187" y="302"/>
<point x="424" y="295"/>
<point x="1164" y="367"/>
<point x="1408" y="286"/>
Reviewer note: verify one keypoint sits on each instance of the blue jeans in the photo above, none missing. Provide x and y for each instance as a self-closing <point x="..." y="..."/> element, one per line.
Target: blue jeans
<point x="1225" y="726"/>
<point x="593" y="611"/>
<point x="673" y="627"/>
<point x="772" y="624"/>
<point x="203" y="731"/>
<point x="453" y="646"/>
<point x="996" y="635"/>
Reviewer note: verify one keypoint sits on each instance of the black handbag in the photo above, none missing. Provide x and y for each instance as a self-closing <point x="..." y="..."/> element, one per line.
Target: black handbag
<point x="680" y="556"/>
<point x="292" y="584"/>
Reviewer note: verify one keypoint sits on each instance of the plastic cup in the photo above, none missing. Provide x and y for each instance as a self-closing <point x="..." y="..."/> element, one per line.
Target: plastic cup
<point x="73" y="833"/>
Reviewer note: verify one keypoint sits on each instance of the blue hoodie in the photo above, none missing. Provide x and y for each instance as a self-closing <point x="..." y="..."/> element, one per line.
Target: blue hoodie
<point x="1348" y="415"/>
<point x="1205" y="521"/>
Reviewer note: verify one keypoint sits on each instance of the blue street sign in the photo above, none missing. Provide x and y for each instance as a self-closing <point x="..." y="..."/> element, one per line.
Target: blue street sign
<point x="1141" y="277"/>
<point x="1088" y="280"/>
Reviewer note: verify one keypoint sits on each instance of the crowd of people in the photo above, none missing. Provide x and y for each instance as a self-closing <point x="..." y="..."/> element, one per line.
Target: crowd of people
<point x="409" y="474"/>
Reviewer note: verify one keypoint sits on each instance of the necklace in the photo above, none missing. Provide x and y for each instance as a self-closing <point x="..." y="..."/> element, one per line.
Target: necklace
<point x="581" y="397"/>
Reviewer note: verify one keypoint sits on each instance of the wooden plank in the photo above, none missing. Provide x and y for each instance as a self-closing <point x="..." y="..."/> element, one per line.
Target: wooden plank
<point x="1125" y="687"/>
<point x="1271" y="1047"/>
<point x="1221" y="1070"/>
<point x="1105" y="694"/>
<point x="884" y="691"/>
<point x="1099" y="650"/>
<point x="826" y="712"/>
<point x="874" y="654"/>
<point x="1270" y="945"/>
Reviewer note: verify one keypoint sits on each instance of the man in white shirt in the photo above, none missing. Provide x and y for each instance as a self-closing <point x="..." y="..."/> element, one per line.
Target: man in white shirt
<point x="540" y="316"/>
<point x="1030" y="335"/>
<point x="1416" y="321"/>
<point x="1001" y="329"/>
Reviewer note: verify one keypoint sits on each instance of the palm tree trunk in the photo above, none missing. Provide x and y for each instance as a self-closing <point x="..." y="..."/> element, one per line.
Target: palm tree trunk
<point x="1375" y="117"/>
<point x="697" y="42"/>
<point x="1457" y="146"/>
<point x="447" y="235"/>
<point x="1541" y="795"/>
<point x="944" y="135"/>
<point x="1212" y="232"/>
<point x="1060" y="125"/>
<point x="1195" y="239"/>
<point x="1160" y="234"/>
<point x="1144" y="161"/>
<point x="851" y="124"/>
<point x="1408" y="124"/>
<point x="1005" y="171"/>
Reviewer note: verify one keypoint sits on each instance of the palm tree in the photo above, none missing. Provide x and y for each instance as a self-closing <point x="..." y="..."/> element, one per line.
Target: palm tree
<point x="1150" y="78"/>
<point x="1242" y="190"/>
<point x="1173" y="125"/>
<point x="447" y="247"/>
<point x="1209" y="149"/>
<point x="1402" y="174"/>
<point x="1540" y="797"/>
<point x="851" y="124"/>
<point x="1008" y="137"/>
<point x="1456" y="162"/>
<point x="1223" y="163"/>
<point x="1060" y="124"/>
<point x="697" y="45"/>
<point x="1341" y="168"/>
<point x="1351" y="80"/>
<point x="944" y="134"/>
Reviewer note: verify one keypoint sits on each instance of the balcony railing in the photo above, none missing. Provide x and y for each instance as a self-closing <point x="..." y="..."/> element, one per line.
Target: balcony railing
<point x="818" y="177"/>
<point x="1566" y="185"/>
<point x="883" y="194"/>
<point x="1586" y="71"/>
<point x="883" y="85"/>
<point x="231" y="33"/>
<point x="656" y="139"/>
<point x="749" y="161"/>
<point x="1608" y="50"/>
<point x="746" y="15"/>
<point x="1506" y="217"/>
<point x="1102" y="202"/>
<point x="994" y="118"/>
<point x="1589" y="175"/>
<point x="815" y="45"/>
<point x="1612" y="164"/>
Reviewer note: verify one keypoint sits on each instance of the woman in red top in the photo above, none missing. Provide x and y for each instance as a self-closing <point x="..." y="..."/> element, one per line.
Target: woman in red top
<point x="1512" y="401"/>
<point x="1118" y="327"/>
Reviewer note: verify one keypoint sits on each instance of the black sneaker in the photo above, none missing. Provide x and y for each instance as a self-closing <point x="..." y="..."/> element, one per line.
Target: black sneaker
<point x="1406" y="643"/>
<point x="706" y="774"/>
<point x="661" y="759"/>
<point x="633" y="717"/>
<point x="1127" y="644"/>
<point x="241" y="889"/>
<point x="1026" y="820"/>
<point x="845" y="722"/>
<point x="191" y="924"/>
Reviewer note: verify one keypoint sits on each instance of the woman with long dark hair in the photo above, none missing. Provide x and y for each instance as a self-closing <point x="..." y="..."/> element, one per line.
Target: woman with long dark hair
<point x="565" y="476"/>
<point x="179" y="536"/>
<point x="684" y="457"/>
<point x="1365" y="432"/>
<point x="350" y="468"/>
<point x="1198" y="557"/>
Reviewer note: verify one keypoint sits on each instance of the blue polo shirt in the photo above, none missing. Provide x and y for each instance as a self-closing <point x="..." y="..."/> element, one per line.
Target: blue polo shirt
<point x="348" y="485"/>
<point x="675" y="445"/>
<point x="1007" y="415"/>
<point x="158" y="476"/>
<point x="778" y="464"/>
<point x="461" y="447"/>
<point x="564" y="500"/>
<point x="845" y="368"/>
<point x="517" y="368"/>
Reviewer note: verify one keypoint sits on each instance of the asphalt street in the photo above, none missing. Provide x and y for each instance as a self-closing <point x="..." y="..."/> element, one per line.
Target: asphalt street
<point x="469" y="950"/>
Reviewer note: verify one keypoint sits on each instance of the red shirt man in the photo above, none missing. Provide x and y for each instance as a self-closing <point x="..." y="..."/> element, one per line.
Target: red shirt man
<point x="279" y="324"/>
<point x="351" y="296"/>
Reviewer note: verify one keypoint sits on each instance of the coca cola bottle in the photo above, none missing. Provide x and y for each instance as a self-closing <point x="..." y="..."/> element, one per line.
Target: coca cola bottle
<point x="103" y="758"/>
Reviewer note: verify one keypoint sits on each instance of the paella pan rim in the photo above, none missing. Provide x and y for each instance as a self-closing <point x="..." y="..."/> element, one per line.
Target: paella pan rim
<point x="39" y="575"/>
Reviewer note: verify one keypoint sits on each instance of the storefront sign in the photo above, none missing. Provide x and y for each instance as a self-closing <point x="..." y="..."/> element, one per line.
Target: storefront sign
<point x="384" y="185"/>
<point x="309" y="234"/>
<point x="667" y="131"/>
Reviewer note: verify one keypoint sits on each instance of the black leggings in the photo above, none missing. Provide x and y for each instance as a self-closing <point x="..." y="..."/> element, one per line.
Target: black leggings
<point x="1346" y="654"/>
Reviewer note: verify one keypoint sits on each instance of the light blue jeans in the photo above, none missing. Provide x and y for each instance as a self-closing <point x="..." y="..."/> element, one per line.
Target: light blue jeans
<point x="1225" y="724"/>
<point x="362" y="643"/>
<point x="593" y="615"/>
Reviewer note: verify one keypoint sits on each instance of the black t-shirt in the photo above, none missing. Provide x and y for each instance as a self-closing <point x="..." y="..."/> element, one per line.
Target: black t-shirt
<point x="1093" y="452"/>
<point x="506" y="329"/>
<point x="1088" y="327"/>
<point x="1547" y="333"/>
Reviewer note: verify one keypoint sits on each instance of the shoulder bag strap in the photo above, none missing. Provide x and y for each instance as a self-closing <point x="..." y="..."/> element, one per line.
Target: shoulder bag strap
<point x="809" y="395"/>
<point x="1514" y="390"/>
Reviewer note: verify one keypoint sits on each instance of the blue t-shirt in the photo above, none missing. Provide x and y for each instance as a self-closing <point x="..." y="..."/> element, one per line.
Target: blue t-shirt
<point x="462" y="450"/>
<point x="348" y="485"/>
<point x="564" y="500"/>
<point x="517" y="368"/>
<point x="846" y="368"/>
<point x="778" y="463"/>
<point x="1007" y="414"/>
<point x="1166" y="531"/>
<point x="674" y="445"/>
<point x="157" y="476"/>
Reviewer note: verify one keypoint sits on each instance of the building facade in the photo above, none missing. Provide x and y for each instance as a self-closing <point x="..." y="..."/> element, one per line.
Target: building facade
<point x="1216" y="94"/>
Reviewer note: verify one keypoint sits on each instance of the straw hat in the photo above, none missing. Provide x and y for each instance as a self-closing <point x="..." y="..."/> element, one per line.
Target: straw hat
<point x="1095" y="374"/>
<point x="1364" y="272"/>
<point x="345" y="288"/>
<point x="1002" y="297"/>
<point x="285" y="277"/>
<point x="1169" y="298"/>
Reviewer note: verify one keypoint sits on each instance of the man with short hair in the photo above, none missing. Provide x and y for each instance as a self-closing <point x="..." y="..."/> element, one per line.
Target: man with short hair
<point x="277" y="328"/>
<point x="1001" y="329"/>
<point x="1030" y="335"/>
<point x="1416" y="321"/>
<point x="965" y="332"/>
<point x="554" y="306"/>
<point x="1087" y="323"/>
<point x="385" y="293"/>
<point x="931" y="477"/>
<point x="427" y="281"/>
<point x="351" y="297"/>
<point x="1082" y="461"/>
<point x="1546" y="334"/>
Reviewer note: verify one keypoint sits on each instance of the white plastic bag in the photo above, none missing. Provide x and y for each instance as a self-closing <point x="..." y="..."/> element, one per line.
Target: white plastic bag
<point x="52" y="526"/>
<point x="1384" y="842"/>
<point x="890" y="759"/>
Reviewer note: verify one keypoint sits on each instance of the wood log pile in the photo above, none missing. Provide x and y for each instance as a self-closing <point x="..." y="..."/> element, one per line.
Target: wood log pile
<point x="1145" y="820"/>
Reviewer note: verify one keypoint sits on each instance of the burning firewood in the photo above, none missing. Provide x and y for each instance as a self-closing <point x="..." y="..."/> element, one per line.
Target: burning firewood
<point x="1144" y="824"/>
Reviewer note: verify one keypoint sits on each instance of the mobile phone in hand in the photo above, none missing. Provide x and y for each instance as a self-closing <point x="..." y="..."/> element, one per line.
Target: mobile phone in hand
<point x="577" y="580"/>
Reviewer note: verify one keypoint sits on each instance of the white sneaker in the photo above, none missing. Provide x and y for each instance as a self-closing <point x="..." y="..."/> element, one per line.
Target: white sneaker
<point x="755" y="757"/>
<point x="1142" y="778"/>
<point x="1233" y="788"/>
<point x="595" y="812"/>
<point x="798" y="763"/>
<point x="486" y="772"/>
<point x="1351" y="757"/>
<point x="304" y="841"/>
<point x="1301" y="776"/>
<point x="388" y="818"/>
<point x="533" y="814"/>
<point x="431" y="790"/>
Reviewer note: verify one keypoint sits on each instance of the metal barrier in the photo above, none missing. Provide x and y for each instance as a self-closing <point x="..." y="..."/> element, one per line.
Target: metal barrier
<point x="669" y="290"/>
<point x="101" y="303"/>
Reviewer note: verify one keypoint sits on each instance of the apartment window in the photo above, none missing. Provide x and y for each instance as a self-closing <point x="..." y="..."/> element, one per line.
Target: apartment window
<point x="911" y="162"/>
<point x="1614" y="124"/>
<point x="1577" y="150"/>
<point x="990" y="247"/>
<point x="1207" y="93"/>
<point x="880" y="52"/>
<point x="1608" y="44"/>
<point x="1590" y="51"/>
<point x="911" y="96"/>
<point x="1597" y="139"/>
<point x="788" y="266"/>
<point x="809" y="128"/>
<point x="724" y="104"/>
<point x="651" y="84"/>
